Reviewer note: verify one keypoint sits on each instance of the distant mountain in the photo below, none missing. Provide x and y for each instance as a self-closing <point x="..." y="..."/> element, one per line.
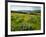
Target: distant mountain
<point x="27" y="11"/>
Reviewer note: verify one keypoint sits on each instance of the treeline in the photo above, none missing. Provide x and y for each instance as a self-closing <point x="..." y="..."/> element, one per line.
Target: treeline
<point x="35" y="12"/>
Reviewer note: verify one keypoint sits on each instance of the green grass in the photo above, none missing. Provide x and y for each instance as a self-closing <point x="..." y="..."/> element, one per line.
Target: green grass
<point x="25" y="22"/>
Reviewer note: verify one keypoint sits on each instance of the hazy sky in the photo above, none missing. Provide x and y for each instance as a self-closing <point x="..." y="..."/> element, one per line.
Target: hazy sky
<point x="17" y="8"/>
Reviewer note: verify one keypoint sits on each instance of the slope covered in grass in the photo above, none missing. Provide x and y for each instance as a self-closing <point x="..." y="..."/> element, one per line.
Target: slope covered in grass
<point x="24" y="22"/>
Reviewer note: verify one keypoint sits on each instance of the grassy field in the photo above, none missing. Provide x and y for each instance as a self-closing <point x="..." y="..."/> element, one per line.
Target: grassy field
<point x="25" y="22"/>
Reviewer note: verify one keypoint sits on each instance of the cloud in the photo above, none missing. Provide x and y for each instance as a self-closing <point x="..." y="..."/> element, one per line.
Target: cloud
<point x="15" y="7"/>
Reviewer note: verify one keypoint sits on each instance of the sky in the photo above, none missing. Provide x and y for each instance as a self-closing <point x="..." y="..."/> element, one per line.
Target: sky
<point x="17" y="7"/>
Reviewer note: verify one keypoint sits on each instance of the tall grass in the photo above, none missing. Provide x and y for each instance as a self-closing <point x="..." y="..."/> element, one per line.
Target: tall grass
<point x="24" y="22"/>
